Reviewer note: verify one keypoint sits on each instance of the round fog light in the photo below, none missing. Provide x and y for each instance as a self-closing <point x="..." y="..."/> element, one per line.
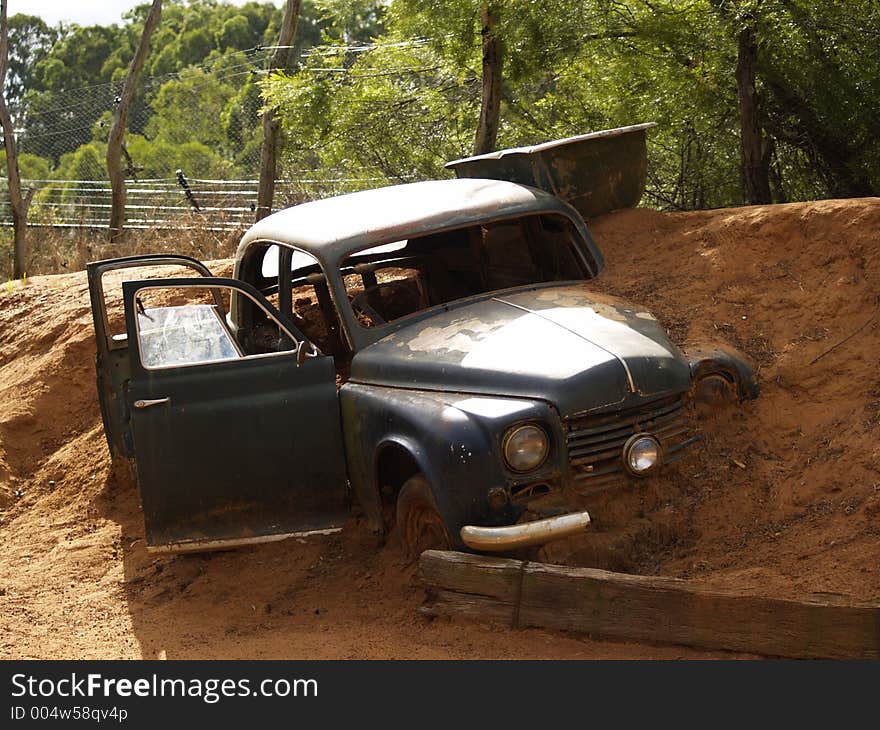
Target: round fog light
<point x="641" y="454"/>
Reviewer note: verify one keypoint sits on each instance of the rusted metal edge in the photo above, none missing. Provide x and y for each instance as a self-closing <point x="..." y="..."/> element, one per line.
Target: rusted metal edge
<point x="544" y="146"/>
<point x="191" y="546"/>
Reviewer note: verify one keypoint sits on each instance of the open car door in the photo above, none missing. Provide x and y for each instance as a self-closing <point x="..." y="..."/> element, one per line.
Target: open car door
<point x="111" y="342"/>
<point x="232" y="443"/>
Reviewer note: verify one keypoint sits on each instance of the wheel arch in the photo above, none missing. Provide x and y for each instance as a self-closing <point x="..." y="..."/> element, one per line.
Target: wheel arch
<point x="399" y="459"/>
<point x="394" y="463"/>
<point x="727" y="363"/>
<point x="390" y="432"/>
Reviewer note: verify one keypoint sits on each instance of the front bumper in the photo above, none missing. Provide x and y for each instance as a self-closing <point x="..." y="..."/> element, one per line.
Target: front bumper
<point x="510" y="537"/>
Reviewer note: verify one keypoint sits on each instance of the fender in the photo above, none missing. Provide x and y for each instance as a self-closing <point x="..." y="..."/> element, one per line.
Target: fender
<point x="730" y="365"/>
<point x="455" y="439"/>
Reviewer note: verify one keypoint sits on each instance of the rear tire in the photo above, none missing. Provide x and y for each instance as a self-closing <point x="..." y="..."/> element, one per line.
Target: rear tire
<point x="419" y="525"/>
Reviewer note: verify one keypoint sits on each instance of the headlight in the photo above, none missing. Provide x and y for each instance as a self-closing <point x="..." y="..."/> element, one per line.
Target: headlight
<point x="525" y="447"/>
<point x="641" y="454"/>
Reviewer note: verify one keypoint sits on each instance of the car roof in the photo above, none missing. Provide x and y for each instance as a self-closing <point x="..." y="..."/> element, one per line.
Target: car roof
<point x="334" y="227"/>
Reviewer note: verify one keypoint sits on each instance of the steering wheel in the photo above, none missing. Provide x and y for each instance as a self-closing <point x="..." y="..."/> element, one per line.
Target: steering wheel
<point x="361" y="302"/>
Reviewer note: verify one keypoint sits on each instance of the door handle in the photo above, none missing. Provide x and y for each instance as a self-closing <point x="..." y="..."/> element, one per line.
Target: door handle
<point x="153" y="402"/>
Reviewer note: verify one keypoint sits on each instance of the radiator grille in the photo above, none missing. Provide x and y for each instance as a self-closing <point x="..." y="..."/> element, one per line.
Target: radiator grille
<point x="595" y="443"/>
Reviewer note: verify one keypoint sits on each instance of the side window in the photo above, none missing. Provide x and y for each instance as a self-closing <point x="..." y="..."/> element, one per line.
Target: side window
<point x="309" y="303"/>
<point x="293" y="282"/>
<point x="388" y="282"/>
<point x="556" y="236"/>
<point x="187" y="325"/>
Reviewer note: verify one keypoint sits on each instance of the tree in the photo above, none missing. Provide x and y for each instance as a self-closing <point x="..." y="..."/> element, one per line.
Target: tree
<point x="753" y="148"/>
<point x="493" y="62"/>
<point x="268" y="162"/>
<point x="236" y="33"/>
<point x="30" y="41"/>
<point x="193" y="47"/>
<point x="79" y="57"/>
<point x="347" y="21"/>
<point x="18" y="202"/>
<point x="31" y="167"/>
<point x="189" y="107"/>
<point x="756" y="172"/>
<point x="117" y="132"/>
<point x="822" y="75"/>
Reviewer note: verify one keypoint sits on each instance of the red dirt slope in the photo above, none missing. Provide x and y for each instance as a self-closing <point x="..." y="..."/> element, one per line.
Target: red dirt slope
<point x="784" y="497"/>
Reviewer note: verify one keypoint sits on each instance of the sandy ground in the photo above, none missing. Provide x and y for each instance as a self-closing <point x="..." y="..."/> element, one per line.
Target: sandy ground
<point x="782" y="498"/>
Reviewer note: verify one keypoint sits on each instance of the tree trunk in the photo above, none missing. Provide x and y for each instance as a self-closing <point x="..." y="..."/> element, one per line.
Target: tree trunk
<point x="493" y="60"/>
<point x="117" y="131"/>
<point x="18" y="202"/>
<point x="756" y="173"/>
<point x="268" y="162"/>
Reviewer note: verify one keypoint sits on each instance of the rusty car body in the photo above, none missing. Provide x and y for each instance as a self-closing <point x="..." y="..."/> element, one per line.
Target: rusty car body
<point x="431" y="350"/>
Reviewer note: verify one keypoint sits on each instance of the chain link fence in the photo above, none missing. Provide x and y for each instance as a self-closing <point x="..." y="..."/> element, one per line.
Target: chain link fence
<point x="191" y="155"/>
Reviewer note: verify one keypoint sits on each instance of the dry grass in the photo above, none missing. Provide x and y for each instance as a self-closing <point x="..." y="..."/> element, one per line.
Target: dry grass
<point x="62" y="250"/>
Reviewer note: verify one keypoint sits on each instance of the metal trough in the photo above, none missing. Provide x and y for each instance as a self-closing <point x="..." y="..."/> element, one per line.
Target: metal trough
<point x="596" y="173"/>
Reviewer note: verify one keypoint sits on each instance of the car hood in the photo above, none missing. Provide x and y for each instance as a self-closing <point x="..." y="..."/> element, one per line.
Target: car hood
<point x="565" y="344"/>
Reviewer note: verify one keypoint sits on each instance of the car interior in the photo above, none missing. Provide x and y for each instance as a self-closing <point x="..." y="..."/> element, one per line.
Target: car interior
<point x="388" y="282"/>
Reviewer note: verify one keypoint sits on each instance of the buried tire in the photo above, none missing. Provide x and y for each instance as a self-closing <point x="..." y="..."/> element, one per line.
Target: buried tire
<point x="419" y="525"/>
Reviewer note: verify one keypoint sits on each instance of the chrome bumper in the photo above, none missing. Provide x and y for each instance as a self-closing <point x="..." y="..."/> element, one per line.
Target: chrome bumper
<point x="510" y="537"/>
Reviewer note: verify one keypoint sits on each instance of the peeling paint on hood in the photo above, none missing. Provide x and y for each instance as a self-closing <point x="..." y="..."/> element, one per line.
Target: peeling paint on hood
<point x="563" y="344"/>
<point x="631" y="334"/>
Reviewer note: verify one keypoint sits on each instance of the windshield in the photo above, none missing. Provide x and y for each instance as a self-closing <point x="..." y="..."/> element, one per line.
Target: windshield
<point x="395" y="280"/>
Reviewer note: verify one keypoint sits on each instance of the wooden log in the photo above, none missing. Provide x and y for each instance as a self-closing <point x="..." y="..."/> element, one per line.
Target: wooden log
<point x="649" y="609"/>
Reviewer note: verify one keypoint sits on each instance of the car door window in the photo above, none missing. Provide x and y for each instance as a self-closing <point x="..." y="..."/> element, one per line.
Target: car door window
<point x="184" y="335"/>
<point x="187" y="325"/>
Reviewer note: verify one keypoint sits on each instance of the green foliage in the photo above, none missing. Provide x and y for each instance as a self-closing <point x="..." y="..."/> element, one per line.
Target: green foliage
<point x="352" y="21"/>
<point x="80" y="57"/>
<point x="235" y="33"/>
<point x="193" y="46"/>
<point x="30" y="166"/>
<point x="63" y="82"/>
<point x="161" y="159"/>
<point x="400" y="111"/>
<point x="87" y="163"/>
<point x="30" y="41"/>
<point x="572" y="67"/>
<point x="240" y="119"/>
<point x="821" y="66"/>
<point x="189" y="107"/>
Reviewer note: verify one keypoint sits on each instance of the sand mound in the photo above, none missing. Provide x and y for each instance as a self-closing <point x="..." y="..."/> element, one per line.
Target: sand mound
<point x="783" y="497"/>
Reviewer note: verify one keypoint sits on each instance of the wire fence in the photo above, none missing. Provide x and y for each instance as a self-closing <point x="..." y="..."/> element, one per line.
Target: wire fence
<point x="191" y="155"/>
<point x="169" y="109"/>
<point x="178" y="202"/>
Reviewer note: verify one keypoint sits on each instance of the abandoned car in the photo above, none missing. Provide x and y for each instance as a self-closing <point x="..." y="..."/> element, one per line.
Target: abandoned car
<point x="432" y="350"/>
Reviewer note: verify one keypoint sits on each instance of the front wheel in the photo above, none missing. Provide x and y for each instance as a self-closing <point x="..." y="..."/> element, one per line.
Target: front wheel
<point x="419" y="524"/>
